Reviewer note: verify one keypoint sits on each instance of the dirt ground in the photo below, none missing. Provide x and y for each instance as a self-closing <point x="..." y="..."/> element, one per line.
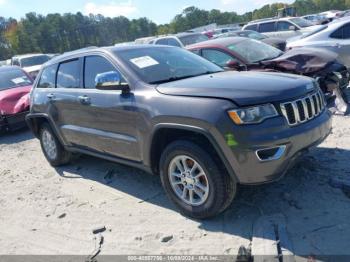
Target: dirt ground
<point x="53" y="211"/>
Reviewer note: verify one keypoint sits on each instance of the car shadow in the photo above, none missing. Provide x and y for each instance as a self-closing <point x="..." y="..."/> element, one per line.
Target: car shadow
<point x="317" y="215"/>
<point x="13" y="137"/>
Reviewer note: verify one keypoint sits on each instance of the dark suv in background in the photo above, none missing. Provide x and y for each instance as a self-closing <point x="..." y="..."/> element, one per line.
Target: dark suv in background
<point x="173" y="113"/>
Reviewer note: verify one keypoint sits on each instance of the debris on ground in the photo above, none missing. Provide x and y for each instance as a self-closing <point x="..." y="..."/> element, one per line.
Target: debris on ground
<point x="166" y="239"/>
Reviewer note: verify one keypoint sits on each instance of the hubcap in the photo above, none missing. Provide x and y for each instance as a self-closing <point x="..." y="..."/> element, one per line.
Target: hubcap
<point x="188" y="180"/>
<point x="49" y="144"/>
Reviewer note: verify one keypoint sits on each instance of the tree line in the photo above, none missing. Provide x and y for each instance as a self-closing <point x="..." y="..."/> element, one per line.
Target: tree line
<point x="56" y="33"/>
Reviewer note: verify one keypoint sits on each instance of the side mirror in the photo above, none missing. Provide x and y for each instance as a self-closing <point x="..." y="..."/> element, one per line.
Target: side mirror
<point x="292" y="28"/>
<point x="233" y="64"/>
<point x="111" y="81"/>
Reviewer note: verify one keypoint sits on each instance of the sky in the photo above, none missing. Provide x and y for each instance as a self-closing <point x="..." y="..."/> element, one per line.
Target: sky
<point x="159" y="11"/>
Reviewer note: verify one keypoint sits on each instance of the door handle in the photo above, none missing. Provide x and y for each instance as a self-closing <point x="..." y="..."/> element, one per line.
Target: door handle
<point x="85" y="100"/>
<point x="51" y="96"/>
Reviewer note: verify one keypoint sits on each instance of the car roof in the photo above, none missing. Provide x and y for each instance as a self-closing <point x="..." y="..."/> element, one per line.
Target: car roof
<point x="219" y="42"/>
<point x="106" y="49"/>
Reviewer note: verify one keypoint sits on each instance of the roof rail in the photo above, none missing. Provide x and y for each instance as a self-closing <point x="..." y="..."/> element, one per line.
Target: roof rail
<point x="81" y="49"/>
<point x="262" y="20"/>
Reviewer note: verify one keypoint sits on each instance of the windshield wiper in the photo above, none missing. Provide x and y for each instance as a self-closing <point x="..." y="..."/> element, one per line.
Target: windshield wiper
<point x="176" y="78"/>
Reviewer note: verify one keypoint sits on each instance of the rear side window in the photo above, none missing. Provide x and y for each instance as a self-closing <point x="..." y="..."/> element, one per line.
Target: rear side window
<point x="267" y="27"/>
<point x="252" y="27"/>
<point x="48" y="77"/>
<point x="95" y="65"/>
<point x="342" y="32"/>
<point x="68" y="75"/>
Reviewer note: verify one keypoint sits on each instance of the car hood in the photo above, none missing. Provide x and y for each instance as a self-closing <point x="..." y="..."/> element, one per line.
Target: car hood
<point x="303" y="60"/>
<point x="14" y="100"/>
<point x="243" y="88"/>
<point x="30" y="69"/>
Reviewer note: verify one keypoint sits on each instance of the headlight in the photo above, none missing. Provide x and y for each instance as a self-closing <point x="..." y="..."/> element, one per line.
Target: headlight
<point x="252" y="115"/>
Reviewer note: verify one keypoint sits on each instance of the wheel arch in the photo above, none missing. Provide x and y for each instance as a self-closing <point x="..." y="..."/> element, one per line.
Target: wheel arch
<point x="163" y="134"/>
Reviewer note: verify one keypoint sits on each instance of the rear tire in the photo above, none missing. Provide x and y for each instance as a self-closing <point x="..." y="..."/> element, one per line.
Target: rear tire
<point x="185" y="166"/>
<point x="54" y="152"/>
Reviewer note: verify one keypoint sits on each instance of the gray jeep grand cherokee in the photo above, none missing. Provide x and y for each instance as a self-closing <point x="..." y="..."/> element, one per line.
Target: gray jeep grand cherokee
<point x="173" y="113"/>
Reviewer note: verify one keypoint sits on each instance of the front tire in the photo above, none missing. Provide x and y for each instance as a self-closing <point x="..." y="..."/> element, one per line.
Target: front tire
<point x="54" y="152"/>
<point x="194" y="181"/>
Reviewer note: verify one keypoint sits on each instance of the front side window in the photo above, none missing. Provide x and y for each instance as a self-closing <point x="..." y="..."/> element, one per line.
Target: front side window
<point x="95" y="65"/>
<point x="267" y="27"/>
<point x="13" y="78"/>
<point x="283" y="26"/>
<point x="48" y="77"/>
<point x="155" y="65"/>
<point x="163" y="41"/>
<point x="217" y="57"/>
<point x="173" y="42"/>
<point x="346" y="31"/>
<point x="68" y="75"/>
<point x="254" y="51"/>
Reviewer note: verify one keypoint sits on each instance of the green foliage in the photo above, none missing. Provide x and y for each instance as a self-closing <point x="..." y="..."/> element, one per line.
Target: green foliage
<point x="57" y="33"/>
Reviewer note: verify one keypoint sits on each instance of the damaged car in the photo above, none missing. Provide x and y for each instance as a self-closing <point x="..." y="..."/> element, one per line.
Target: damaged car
<point x="15" y="86"/>
<point x="243" y="54"/>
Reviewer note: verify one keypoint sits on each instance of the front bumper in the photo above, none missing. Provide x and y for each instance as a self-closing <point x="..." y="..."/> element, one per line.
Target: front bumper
<point x="13" y="122"/>
<point x="272" y="133"/>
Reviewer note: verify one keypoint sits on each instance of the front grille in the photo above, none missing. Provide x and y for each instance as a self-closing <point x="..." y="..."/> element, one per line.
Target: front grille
<point x="303" y="109"/>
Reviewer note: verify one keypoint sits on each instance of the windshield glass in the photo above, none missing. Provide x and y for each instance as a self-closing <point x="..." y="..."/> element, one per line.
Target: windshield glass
<point x="254" y="51"/>
<point x="165" y="64"/>
<point x="251" y="34"/>
<point x="193" y="39"/>
<point x="301" y="22"/>
<point x="13" y="78"/>
<point x="34" y="60"/>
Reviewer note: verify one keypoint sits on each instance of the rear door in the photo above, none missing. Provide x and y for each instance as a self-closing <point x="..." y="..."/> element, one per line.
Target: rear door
<point x="68" y="103"/>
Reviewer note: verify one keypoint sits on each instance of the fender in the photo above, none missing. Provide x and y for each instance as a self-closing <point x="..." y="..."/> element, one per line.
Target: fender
<point x="31" y="117"/>
<point x="194" y="129"/>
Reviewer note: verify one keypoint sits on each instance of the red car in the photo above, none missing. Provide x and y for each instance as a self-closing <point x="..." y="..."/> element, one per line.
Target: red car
<point x="245" y="54"/>
<point x="15" y="86"/>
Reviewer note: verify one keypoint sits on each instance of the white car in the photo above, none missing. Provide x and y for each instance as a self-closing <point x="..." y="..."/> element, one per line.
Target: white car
<point x="281" y="27"/>
<point x="334" y="36"/>
<point x="180" y="40"/>
<point x="31" y="63"/>
<point x="332" y="14"/>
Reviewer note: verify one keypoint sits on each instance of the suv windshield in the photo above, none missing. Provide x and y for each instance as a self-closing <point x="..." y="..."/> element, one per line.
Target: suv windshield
<point x="13" y="78"/>
<point x="193" y="39"/>
<point x="165" y="64"/>
<point x="254" y="51"/>
<point x="34" y="60"/>
<point x="301" y="22"/>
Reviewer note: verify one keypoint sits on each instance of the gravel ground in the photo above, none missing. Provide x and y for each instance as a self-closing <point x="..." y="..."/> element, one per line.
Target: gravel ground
<point x="53" y="211"/>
